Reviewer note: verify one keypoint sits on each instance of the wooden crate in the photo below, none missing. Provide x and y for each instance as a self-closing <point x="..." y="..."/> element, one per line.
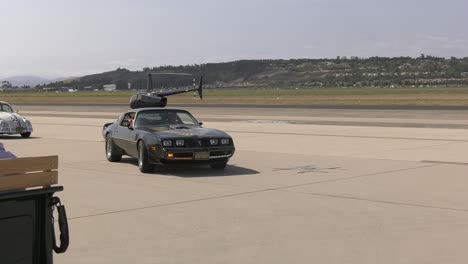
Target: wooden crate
<point x="22" y="173"/>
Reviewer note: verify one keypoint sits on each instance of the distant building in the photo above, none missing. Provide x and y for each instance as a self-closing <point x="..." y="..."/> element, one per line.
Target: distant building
<point x="67" y="90"/>
<point x="109" y="87"/>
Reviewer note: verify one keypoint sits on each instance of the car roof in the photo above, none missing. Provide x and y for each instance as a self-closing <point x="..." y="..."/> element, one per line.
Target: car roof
<point x="155" y="109"/>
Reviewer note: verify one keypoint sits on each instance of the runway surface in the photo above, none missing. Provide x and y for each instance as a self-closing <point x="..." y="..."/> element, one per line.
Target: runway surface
<point x="369" y="186"/>
<point x="278" y="106"/>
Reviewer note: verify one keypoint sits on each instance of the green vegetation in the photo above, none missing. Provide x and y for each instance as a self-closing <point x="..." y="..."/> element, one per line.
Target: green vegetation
<point x="374" y="81"/>
<point x="299" y="73"/>
<point x="337" y="91"/>
<point x="77" y="94"/>
<point x="313" y="96"/>
<point x="265" y="92"/>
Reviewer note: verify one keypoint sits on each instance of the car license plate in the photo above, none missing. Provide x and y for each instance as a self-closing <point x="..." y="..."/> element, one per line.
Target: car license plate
<point x="202" y="155"/>
<point x="19" y="129"/>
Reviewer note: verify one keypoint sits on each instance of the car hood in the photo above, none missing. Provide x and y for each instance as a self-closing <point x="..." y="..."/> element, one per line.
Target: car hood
<point x="12" y="118"/>
<point x="188" y="132"/>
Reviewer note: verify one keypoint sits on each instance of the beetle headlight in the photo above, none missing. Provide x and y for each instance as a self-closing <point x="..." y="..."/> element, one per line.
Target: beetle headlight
<point x="214" y="141"/>
<point x="167" y="143"/>
<point x="225" y="141"/>
<point x="179" y="142"/>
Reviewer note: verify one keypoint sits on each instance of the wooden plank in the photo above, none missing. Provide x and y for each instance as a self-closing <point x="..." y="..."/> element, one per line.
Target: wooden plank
<point x="22" y="181"/>
<point x="22" y="165"/>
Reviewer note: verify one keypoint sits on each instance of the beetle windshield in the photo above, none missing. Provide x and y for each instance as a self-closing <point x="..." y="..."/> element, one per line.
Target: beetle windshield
<point x="164" y="118"/>
<point x="6" y="108"/>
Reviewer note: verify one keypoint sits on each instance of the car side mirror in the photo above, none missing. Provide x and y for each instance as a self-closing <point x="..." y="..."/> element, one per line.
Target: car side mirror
<point x="200" y="123"/>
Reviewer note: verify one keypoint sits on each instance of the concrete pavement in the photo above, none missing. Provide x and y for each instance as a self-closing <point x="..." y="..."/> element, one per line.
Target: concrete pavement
<point x="293" y="193"/>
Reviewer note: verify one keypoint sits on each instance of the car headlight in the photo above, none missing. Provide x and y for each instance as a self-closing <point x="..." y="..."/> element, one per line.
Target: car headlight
<point x="167" y="143"/>
<point x="225" y="141"/>
<point x="179" y="142"/>
<point x="214" y="141"/>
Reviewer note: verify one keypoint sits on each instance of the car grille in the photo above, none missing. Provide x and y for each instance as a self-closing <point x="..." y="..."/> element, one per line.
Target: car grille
<point x="197" y="143"/>
<point x="202" y="143"/>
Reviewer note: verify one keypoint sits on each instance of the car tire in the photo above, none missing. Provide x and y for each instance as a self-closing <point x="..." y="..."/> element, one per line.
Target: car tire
<point x="218" y="165"/>
<point x="25" y="134"/>
<point x="111" y="150"/>
<point x="143" y="162"/>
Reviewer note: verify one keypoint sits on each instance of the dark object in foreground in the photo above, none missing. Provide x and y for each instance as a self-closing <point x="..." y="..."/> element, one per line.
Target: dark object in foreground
<point x="158" y="137"/>
<point x="26" y="216"/>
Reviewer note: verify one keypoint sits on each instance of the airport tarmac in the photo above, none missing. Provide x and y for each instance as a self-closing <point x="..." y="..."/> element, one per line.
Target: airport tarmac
<point x="369" y="186"/>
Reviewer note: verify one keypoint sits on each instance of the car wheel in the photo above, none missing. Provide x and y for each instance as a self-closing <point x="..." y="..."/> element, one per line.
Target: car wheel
<point x="219" y="165"/>
<point x="111" y="150"/>
<point x="26" y="134"/>
<point x="143" y="163"/>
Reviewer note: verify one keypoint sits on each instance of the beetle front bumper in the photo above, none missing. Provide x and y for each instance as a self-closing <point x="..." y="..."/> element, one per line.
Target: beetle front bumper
<point x="15" y="130"/>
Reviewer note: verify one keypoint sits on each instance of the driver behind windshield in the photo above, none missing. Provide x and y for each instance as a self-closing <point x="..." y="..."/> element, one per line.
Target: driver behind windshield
<point x="172" y="119"/>
<point x="149" y="118"/>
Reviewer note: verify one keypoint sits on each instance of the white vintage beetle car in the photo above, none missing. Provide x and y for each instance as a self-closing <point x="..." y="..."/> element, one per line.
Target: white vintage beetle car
<point x="12" y="123"/>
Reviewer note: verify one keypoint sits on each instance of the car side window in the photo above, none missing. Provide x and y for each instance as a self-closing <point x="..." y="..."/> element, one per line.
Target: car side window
<point x="127" y="119"/>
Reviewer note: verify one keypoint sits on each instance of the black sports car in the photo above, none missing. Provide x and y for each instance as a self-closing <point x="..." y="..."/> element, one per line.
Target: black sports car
<point x="158" y="136"/>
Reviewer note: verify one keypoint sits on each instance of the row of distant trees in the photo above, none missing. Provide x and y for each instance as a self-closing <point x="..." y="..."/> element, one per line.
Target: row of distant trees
<point x="9" y="85"/>
<point x="6" y="84"/>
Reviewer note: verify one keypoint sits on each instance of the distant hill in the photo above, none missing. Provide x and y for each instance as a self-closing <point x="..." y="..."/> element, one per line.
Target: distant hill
<point x="63" y="79"/>
<point x="339" y="72"/>
<point x="25" y="80"/>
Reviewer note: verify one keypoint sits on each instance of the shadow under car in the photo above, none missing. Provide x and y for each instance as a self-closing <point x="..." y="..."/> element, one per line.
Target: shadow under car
<point x="188" y="171"/>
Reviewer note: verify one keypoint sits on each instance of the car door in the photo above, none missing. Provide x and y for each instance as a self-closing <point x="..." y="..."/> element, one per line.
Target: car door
<point x="122" y="132"/>
<point x="131" y="136"/>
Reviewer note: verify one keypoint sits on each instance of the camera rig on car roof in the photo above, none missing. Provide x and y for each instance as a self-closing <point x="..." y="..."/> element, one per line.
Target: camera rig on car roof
<point x="159" y="99"/>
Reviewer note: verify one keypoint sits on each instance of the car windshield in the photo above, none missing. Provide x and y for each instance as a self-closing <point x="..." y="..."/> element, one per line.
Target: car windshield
<point x="5" y="108"/>
<point x="164" y="119"/>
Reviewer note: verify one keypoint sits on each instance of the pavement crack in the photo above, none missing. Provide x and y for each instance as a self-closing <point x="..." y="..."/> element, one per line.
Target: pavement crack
<point x="380" y="201"/>
<point x="445" y="162"/>
<point x="169" y="204"/>
<point x="283" y="188"/>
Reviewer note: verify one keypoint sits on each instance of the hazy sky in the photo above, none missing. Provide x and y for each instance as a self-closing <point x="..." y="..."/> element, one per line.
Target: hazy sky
<point x="68" y="38"/>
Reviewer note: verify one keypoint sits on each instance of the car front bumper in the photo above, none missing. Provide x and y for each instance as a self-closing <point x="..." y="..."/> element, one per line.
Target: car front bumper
<point x="15" y="130"/>
<point x="192" y="155"/>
